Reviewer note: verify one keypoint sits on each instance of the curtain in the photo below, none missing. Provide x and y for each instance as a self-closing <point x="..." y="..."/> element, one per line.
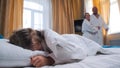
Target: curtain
<point x="78" y="9"/>
<point x="12" y="19"/>
<point x="2" y="15"/>
<point x="47" y="14"/>
<point x="88" y="5"/>
<point x="64" y="14"/>
<point x="103" y="9"/>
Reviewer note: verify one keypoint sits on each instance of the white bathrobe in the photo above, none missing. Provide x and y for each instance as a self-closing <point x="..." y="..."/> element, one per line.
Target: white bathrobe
<point x="69" y="47"/>
<point x="88" y="30"/>
<point x="98" y="22"/>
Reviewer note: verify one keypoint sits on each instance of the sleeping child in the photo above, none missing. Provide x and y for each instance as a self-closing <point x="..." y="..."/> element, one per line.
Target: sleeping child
<point x="61" y="49"/>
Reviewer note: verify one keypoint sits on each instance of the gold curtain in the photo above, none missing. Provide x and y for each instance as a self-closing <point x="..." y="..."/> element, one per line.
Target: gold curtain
<point x="104" y="10"/>
<point x="2" y="15"/>
<point x="13" y="16"/>
<point x="64" y="14"/>
<point x="78" y="9"/>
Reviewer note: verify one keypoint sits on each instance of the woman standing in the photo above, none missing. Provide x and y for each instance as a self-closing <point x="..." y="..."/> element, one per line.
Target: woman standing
<point x="89" y="31"/>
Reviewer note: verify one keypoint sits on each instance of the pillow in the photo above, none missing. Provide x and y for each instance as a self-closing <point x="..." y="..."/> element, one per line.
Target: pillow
<point x="14" y="56"/>
<point x="64" y="50"/>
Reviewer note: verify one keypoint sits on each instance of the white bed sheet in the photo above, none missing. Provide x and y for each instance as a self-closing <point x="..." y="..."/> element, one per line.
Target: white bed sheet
<point x="98" y="61"/>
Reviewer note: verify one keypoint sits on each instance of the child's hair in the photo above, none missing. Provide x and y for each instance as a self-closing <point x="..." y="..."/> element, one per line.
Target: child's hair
<point x="23" y="37"/>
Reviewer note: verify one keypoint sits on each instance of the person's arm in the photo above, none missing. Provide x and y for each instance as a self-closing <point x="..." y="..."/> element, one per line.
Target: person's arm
<point x="105" y="26"/>
<point x="88" y="27"/>
<point x="39" y="61"/>
<point x="92" y="29"/>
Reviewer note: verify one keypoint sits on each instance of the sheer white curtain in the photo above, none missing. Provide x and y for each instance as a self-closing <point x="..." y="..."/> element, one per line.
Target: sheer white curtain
<point x="37" y="14"/>
<point x="47" y="13"/>
<point x="114" y="23"/>
<point x="88" y="6"/>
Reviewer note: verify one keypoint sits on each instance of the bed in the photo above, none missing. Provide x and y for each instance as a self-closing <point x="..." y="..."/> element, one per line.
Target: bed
<point x="108" y="58"/>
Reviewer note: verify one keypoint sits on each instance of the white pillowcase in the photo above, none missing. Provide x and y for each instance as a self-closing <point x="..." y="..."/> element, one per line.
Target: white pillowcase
<point x="14" y="56"/>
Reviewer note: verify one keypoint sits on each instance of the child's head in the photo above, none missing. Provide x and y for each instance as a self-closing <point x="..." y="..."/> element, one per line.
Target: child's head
<point x="27" y="38"/>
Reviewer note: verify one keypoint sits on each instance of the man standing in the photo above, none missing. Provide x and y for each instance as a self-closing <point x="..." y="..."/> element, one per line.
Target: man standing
<point x="99" y="23"/>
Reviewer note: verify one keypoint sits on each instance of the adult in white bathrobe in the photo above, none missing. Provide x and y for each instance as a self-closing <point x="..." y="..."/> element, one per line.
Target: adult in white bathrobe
<point x="99" y="23"/>
<point x="88" y="30"/>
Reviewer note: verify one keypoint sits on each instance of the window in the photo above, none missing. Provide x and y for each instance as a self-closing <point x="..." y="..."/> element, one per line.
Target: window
<point x="88" y="6"/>
<point x="37" y="14"/>
<point x="114" y="23"/>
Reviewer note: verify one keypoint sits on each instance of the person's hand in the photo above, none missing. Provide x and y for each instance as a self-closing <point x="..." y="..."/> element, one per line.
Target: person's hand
<point x="39" y="61"/>
<point x="95" y="32"/>
<point x="98" y="27"/>
<point x="107" y="29"/>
